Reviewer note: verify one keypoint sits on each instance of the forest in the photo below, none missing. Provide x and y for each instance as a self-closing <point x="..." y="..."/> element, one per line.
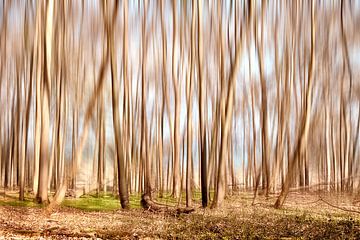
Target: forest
<point x="179" y="119"/>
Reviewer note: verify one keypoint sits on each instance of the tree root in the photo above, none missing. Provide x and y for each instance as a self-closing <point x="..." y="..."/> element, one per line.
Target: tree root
<point x="152" y="206"/>
<point x="58" y="198"/>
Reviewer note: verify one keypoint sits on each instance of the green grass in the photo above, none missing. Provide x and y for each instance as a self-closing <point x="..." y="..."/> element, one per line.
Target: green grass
<point x="18" y="203"/>
<point x="12" y="199"/>
<point x="92" y="202"/>
<point x="97" y="202"/>
<point x="108" y="202"/>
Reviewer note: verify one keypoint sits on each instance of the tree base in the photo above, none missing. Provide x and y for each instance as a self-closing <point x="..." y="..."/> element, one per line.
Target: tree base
<point x="152" y="206"/>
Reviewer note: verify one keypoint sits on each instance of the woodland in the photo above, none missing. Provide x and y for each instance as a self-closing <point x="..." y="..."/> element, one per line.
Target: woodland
<point x="179" y="119"/>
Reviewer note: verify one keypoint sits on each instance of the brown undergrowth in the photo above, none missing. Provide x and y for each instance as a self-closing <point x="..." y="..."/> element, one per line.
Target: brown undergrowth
<point x="304" y="215"/>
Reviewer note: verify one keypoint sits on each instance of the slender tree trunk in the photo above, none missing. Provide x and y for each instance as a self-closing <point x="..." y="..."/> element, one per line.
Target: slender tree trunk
<point x="119" y="152"/>
<point x="176" y="166"/>
<point x="42" y="195"/>
<point x="301" y="141"/>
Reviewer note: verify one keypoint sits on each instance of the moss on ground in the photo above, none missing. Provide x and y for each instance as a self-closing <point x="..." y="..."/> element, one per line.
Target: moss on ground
<point x="12" y="199"/>
<point x="18" y="203"/>
<point x="102" y="202"/>
<point x="89" y="203"/>
<point x="109" y="202"/>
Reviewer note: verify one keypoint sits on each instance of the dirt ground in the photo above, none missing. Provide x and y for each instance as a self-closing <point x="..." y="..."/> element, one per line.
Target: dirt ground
<point x="306" y="216"/>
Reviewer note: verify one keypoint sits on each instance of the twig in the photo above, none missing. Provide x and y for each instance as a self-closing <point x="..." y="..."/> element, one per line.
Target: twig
<point x="338" y="207"/>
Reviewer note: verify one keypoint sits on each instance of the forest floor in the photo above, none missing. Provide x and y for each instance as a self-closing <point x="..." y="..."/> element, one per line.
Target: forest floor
<point x="304" y="215"/>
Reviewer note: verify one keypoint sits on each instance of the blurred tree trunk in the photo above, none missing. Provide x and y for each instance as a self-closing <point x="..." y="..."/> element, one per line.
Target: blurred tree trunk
<point x="189" y="89"/>
<point x="144" y="146"/>
<point x="42" y="194"/>
<point x="177" y="90"/>
<point x="263" y="113"/>
<point x="119" y="152"/>
<point x="226" y="106"/>
<point x="202" y="116"/>
<point x="301" y="141"/>
<point x="28" y="88"/>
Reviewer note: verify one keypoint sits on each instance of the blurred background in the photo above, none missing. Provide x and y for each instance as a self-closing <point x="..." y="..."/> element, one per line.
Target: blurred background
<point x="171" y="96"/>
